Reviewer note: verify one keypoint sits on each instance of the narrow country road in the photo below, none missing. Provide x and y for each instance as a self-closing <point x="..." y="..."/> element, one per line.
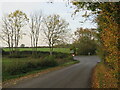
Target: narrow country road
<point x="75" y="76"/>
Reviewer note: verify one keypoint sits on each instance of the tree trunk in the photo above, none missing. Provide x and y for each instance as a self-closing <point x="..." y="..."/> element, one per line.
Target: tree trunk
<point x="51" y="51"/>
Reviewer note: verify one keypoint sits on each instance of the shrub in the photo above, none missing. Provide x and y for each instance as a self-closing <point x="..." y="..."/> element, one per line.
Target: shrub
<point x="49" y="61"/>
<point x="14" y="68"/>
<point x="61" y="55"/>
<point x="18" y="67"/>
<point x="69" y="58"/>
<point x="35" y="55"/>
<point x="17" y="55"/>
<point x="86" y="45"/>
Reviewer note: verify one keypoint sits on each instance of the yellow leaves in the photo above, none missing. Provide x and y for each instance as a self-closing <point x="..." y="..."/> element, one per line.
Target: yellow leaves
<point x="18" y="18"/>
<point x="17" y="14"/>
<point x="109" y="36"/>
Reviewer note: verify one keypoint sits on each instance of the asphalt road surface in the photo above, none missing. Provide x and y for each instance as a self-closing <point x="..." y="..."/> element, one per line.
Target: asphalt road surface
<point x="74" y="76"/>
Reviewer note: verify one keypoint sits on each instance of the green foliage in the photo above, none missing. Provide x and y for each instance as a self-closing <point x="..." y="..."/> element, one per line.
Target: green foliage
<point x="73" y="48"/>
<point x="86" y="41"/>
<point x="18" y="66"/>
<point x="70" y="57"/>
<point x="49" y="61"/>
<point x="60" y="55"/>
<point x="86" y="46"/>
<point x="17" y="55"/>
<point x="35" y="54"/>
<point x="15" y="66"/>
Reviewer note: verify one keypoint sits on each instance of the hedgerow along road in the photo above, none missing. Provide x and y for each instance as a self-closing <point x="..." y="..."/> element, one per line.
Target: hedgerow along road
<point x="74" y="76"/>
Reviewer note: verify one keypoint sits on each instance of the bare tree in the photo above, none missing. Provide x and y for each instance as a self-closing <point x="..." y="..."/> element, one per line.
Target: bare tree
<point x="12" y="28"/>
<point x="55" y="30"/>
<point x="35" y="27"/>
<point x="7" y="33"/>
<point x="18" y="20"/>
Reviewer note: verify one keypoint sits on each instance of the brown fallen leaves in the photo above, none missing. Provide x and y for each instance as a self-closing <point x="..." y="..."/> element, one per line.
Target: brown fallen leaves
<point x="103" y="77"/>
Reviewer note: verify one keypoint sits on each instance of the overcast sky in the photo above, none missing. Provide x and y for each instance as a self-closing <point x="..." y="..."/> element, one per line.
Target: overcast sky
<point x="58" y="7"/>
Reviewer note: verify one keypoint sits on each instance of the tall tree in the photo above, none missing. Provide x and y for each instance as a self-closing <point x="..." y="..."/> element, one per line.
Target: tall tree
<point x="18" y="20"/>
<point x="55" y="30"/>
<point x="12" y="28"/>
<point x="7" y="33"/>
<point x="35" y="27"/>
<point x="85" y="41"/>
<point x="90" y="33"/>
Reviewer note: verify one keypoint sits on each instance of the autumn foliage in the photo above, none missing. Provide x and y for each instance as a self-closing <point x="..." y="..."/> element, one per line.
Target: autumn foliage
<point x="109" y="35"/>
<point x="106" y="75"/>
<point x="108" y="19"/>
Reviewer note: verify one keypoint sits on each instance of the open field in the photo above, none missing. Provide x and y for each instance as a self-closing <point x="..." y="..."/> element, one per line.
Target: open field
<point x="62" y="50"/>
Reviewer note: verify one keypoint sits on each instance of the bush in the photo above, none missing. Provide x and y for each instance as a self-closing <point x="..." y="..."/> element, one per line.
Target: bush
<point x="17" y="55"/>
<point x="86" y="51"/>
<point x="86" y="46"/>
<point x="36" y="55"/>
<point x="15" y="68"/>
<point x="49" y="61"/>
<point x="18" y="67"/>
<point x="61" y="55"/>
<point x="69" y="58"/>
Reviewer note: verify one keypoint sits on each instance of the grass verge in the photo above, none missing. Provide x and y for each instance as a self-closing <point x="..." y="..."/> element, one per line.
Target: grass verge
<point x="103" y="77"/>
<point x="16" y="78"/>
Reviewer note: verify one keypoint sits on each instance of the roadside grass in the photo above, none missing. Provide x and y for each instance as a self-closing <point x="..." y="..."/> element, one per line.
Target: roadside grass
<point x="62" y="50"/>
<point x="103" y="77"/>
<point x="18" y="67"/>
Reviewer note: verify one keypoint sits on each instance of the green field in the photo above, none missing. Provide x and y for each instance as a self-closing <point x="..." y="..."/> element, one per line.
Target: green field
<point x="62" y="50"/>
